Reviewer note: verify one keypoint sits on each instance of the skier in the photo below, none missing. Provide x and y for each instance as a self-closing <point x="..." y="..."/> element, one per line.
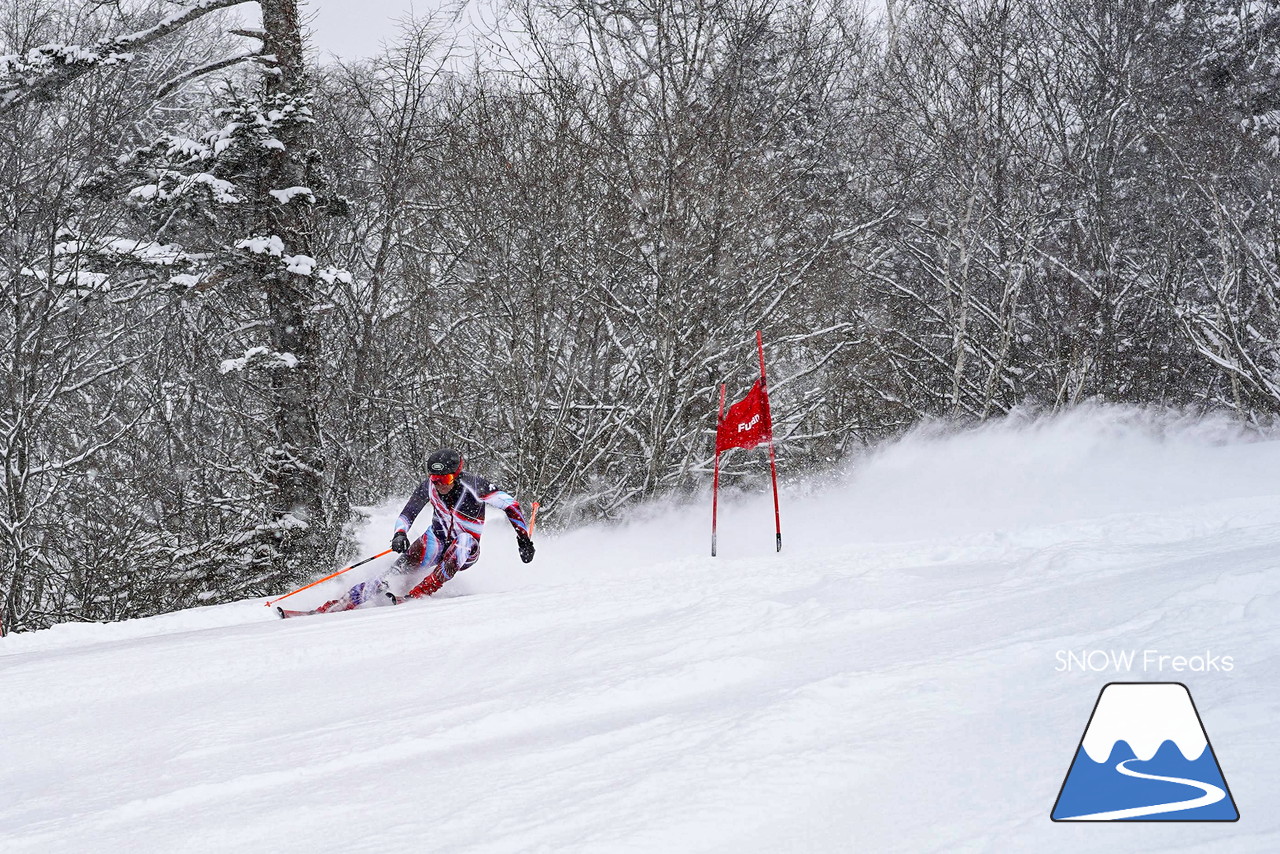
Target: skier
<point x="451" y="543"/>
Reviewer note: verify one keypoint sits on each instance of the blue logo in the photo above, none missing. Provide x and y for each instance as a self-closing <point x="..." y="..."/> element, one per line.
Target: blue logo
<point x="1145" y="756"/>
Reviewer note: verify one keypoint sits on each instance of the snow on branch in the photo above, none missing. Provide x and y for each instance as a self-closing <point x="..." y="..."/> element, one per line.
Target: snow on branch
<point x="126" y="248"/>
<point x="170" y="185"/>
<point x="267" y="245"/>
<point x="258" y="357"/>
<point x="301" y="265"/>
<point x="43" y="71"/>
<point x="284" y="197"/>
<point x="329" y="275"/>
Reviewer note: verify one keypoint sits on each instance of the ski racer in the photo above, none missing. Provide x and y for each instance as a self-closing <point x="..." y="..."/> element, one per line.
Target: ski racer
<point x="451" y="543"/>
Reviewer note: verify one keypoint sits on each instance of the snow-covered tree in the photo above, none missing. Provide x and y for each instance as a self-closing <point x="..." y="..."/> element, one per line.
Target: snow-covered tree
<point x="242" y="197"/>
<point x="191" y="236"/>
<point x="79" y="322"/>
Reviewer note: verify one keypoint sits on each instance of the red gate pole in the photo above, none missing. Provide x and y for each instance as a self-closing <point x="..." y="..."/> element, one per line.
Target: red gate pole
<point x="715" y="481"/>
<point x="773" y="466"/>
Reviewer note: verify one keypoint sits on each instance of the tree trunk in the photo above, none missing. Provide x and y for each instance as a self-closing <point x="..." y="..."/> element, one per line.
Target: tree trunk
<point x="294" y="465"/>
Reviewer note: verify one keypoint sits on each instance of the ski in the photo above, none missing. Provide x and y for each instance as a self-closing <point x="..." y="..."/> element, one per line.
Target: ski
<point x="286" y="614"/>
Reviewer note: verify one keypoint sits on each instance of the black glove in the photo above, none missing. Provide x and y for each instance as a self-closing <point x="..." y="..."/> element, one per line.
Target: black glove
<point x="525" y="545"/>
<point x="400" y="542"/>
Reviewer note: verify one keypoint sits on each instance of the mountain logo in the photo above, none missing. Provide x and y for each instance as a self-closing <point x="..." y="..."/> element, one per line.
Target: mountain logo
<point x="1145" y="756"/>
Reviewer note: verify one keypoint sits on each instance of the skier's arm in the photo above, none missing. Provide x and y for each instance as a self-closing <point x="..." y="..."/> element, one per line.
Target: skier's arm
<point x="413" y="507"/>
<point x="507" y="503"/>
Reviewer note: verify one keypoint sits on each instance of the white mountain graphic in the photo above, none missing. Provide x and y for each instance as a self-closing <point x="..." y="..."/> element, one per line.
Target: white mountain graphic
<point x="1145" y="715"/>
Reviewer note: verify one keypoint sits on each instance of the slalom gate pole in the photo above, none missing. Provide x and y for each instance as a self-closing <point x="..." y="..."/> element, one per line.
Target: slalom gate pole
<point x="773" y="465"/>
<point x="715" y="480"/>
<point x="271" y="602"/>
<point x="533" y="519"/>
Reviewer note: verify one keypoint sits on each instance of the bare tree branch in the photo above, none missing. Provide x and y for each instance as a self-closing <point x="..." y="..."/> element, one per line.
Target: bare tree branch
<point x="211" y="67"/>
<point x="45" y="71"/>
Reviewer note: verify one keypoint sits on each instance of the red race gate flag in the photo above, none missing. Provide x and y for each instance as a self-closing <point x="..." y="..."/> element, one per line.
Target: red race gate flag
<point x="747" y="423"/>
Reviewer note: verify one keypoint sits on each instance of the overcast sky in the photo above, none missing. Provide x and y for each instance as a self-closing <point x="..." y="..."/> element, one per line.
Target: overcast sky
<point x="352" y="29"/>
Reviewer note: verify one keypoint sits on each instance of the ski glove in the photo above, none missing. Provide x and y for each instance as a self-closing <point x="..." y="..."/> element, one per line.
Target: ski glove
<point x="400" y="542"/>
<point x="525" y="545"/>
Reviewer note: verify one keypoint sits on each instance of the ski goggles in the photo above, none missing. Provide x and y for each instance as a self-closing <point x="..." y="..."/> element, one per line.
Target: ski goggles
<point x="444" y="481"/>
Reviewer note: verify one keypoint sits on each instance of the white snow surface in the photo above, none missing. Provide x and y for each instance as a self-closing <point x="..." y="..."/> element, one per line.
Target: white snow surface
<point x="887" y="683"/>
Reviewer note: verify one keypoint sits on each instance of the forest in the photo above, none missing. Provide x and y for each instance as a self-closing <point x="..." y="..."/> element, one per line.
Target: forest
<point x="244" y="292"/>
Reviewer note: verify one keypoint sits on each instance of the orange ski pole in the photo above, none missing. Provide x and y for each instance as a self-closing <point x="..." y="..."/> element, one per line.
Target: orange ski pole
<point x="271" y="602"/>
<point x="533" y="519"/>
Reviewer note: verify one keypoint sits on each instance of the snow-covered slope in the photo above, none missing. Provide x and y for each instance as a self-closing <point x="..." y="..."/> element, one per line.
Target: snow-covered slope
<point x="890" y="682"/>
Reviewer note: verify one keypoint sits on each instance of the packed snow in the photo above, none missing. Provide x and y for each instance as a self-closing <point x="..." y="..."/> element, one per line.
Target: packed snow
<point x="890" y="682"/>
